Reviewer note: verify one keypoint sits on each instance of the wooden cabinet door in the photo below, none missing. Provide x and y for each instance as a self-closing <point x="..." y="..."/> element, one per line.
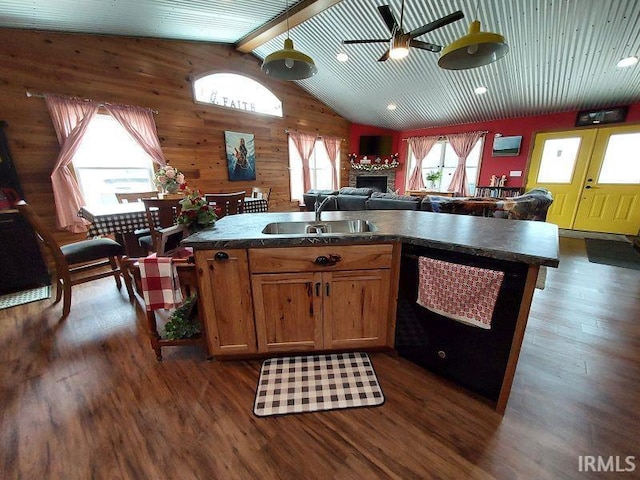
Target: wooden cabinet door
<point x="288" y="311"/>
<point x="226" y="298"/>
<point x="356" y="308"/>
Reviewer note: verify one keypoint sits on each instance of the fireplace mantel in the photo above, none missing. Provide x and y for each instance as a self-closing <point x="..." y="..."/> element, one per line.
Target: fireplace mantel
<point x="390" y="174"/>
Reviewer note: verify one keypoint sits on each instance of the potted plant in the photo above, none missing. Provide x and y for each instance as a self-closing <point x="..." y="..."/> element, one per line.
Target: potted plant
<point x="195" y="212"/>
<point x="432" y="177"/>
<point x="183" y="322"/>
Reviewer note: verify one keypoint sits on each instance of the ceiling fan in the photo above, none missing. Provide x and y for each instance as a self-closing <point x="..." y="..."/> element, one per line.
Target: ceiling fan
<point x="400" y="40"/>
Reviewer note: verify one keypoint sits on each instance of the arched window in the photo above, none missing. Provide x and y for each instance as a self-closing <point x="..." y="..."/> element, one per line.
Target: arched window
<point x="235" y="91"/>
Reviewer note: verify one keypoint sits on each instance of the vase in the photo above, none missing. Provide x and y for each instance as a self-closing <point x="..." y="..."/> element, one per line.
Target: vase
<point x="170" y="188"/>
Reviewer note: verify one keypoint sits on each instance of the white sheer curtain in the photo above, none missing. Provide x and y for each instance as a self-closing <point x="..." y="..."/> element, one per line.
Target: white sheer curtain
<point x="304" y="143"/>
<point x="70" y="117"/>
<point x="462" y="144"/>
<point x="420" y="146"/>
<point x="332" y="144"/>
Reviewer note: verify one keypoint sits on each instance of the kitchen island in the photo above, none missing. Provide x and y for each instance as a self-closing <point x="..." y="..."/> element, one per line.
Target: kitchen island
<point x="271" y="293"/>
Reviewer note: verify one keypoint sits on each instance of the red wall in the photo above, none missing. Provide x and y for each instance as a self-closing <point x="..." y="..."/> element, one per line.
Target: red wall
<point x="525" y="126"/>
<point x="362" y="130"/>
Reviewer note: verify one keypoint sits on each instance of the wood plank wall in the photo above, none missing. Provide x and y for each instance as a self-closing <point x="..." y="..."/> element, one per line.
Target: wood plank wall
<point x="150" y="73"/>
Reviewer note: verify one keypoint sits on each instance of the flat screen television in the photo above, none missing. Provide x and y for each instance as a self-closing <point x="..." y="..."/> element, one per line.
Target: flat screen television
<point x="376" y="145"/>
<point x="506" y="146"/>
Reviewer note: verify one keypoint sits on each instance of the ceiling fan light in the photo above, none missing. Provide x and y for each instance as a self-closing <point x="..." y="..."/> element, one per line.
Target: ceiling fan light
<point x="398" y="53"/>
<point x="289" y="64"/>
<point x="399" y="46"/>
<point x="475" y="49"/>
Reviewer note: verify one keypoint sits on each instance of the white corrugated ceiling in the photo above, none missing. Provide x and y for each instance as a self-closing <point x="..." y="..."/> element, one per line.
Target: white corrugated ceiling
<point x="562" y="57"/>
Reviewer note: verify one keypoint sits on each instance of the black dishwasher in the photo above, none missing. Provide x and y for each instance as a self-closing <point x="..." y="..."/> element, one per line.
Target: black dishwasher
<point x="470" y="356"/>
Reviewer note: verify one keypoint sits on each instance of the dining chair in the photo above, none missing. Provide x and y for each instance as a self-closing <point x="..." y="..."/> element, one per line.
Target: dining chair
<point x="130" y="197"/>
<point x="161" y="214"/>
<point x="261" y="192"/>
<point x="226" y="203"/>
<point x="78" y="257"/>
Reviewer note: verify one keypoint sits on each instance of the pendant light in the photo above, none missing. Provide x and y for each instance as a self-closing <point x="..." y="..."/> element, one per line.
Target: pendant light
<point x="289" y="63"/>
<point x="475" y="49"/>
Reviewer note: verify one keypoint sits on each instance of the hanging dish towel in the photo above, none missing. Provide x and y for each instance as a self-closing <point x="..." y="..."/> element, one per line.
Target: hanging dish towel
<point x="160" y="286"/>
<point x="463" y="293"/>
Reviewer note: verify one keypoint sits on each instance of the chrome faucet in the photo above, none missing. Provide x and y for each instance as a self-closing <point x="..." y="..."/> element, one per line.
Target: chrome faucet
<point x="319" y="206"/>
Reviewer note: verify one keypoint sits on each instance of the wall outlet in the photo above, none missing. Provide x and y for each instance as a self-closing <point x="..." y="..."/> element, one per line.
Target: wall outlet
<point x="515" y="173"/>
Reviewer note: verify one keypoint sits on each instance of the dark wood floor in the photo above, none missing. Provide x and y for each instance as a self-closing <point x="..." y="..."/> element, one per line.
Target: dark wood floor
<point x="85" y="398"/>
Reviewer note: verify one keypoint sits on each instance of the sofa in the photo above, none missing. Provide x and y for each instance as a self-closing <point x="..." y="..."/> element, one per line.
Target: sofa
<point x="532" y="205"/>
<point x="349" y="198"/>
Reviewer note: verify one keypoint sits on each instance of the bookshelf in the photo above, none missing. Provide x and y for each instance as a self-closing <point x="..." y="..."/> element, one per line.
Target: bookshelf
<point x="501" y="192"/>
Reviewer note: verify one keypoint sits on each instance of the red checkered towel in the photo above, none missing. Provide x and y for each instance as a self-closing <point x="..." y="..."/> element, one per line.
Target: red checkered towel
<point x="160" y="286"/>
<point x="463" y="293"/>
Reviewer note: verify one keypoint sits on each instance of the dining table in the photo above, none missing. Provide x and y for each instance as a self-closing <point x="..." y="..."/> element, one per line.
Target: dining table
<point x="123" y="219"/>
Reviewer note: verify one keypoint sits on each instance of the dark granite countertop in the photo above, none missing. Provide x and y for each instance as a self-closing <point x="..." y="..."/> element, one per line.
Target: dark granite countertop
<point x="516" y="240"/>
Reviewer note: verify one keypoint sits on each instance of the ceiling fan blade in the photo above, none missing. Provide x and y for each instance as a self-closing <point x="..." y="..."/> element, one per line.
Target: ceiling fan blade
<point x="452" y="17"/>
<point x="384" y="57"/>
<point x="432" y="47"/>
<point x="388" y="18"/>
<point x="377" y="40"/>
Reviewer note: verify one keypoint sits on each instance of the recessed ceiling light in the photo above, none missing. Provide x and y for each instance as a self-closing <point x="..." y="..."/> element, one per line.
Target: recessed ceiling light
<point x="342" y="57"/>
<point x="627" y="62"/>
<point x="480" y="90"/>
<point x="391" y="106"/>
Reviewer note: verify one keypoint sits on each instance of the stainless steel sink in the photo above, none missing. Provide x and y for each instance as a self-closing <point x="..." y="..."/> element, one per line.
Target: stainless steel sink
<point x="318" y="228"/>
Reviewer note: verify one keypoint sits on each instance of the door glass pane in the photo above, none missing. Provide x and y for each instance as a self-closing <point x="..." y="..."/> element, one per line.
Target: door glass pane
<point x="620" y="163"/>
<point x="558" y="160"/>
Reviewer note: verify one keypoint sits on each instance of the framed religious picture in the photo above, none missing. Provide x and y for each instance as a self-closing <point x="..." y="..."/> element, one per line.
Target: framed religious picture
<point x="241" y="156"/>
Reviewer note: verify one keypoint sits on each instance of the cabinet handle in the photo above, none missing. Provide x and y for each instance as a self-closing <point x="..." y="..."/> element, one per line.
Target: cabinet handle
<point x="317" y="289"/>
<point x="327" y="288"/>
<point x="221" y="256"/>
<point x="327" y="261"/>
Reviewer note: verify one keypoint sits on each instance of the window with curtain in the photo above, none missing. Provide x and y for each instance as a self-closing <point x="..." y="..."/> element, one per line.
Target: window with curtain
<point x="109" y="161"/>
<point x="443" y="159"/>
<point x="319" y="168"/>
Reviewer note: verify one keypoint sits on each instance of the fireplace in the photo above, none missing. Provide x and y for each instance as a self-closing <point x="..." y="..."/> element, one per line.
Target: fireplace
<point x="356" y="176"/>
<point x="376" y="182"/>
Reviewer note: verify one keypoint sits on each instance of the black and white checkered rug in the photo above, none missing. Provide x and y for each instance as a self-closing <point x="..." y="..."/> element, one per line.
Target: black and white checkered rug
<point x="316" y="382"/>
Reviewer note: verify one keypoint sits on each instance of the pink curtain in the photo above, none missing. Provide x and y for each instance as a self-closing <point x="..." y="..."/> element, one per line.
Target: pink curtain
<point x="420" y="146"/>
<point x="70" y="117"/>
<point x="332" y="144"/>
<point x="141" y="126"/>
<point x="304" y="143"/>
<point x="462" y="144"/>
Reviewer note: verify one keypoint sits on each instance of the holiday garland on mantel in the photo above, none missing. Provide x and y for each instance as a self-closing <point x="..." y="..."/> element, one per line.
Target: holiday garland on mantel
<point x="375" y="165"/>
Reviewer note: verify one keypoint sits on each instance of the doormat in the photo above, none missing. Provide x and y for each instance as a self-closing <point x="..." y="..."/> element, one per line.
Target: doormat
<point x="596" y="235"/>
<point x="617" y="254"/>
<point x="315" y="383"/>
<point x="26" y="296"/>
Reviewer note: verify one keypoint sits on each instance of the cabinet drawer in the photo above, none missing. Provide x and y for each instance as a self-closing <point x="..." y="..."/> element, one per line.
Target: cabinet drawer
<point x="307" y="259"/>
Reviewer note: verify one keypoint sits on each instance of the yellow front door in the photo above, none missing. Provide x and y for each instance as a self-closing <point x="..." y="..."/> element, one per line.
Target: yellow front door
<point x="559" y="163"/>
<point x="610" y="200"/>
<point x="594" y="176"/>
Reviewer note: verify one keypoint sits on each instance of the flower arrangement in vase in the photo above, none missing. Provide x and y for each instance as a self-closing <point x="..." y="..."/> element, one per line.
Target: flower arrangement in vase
<point x="170" y="179"/>
<point x="432" y="177"/>
<point x="195" y="212"/>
